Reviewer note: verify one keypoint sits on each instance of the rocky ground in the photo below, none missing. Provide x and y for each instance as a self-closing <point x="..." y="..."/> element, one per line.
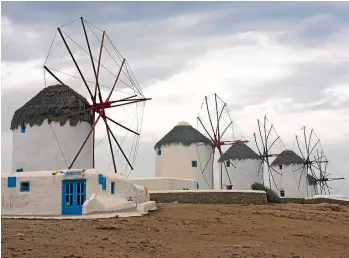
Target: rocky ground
<point x="180" y="230"/>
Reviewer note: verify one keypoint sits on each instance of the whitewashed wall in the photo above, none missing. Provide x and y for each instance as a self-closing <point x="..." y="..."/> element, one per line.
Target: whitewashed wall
<point x="176" y="161"/>
<point x="294" y="183"/>
<point x="45" y="196"/>
<point x="38" y="150"/>
<point x="165" y="183"/>
<point x="243" y="175"/>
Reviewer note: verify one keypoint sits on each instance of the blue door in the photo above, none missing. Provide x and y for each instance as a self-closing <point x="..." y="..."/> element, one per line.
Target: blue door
<point x="73" y="196"/>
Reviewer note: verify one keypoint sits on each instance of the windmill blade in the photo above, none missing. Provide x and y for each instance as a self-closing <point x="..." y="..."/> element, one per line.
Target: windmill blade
<point x="272" y="176"/>
<point x="299" y="148"/>
<point x="260" y="134"/>
<point x="83" y="144"/>
<point x="260" y="168"/>
<point x="259" y="151"/>
<point x="300" y="178"/>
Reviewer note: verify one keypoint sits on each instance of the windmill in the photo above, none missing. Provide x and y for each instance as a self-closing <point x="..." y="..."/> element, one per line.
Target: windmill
<point x="216" y="122"/>
<point x="267" y="139"/>
<point x="82" y="55"/>
<point x="315" y="161"/>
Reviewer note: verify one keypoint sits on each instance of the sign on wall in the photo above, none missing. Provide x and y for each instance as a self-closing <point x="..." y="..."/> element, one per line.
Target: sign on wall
<point x="73" y="174"/>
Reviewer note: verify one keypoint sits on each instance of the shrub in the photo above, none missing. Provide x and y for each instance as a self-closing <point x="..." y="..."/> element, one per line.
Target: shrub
<point x="272" y="196"/>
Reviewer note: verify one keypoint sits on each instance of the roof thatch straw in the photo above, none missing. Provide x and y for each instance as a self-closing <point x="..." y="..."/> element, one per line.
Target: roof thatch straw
<point x="184" y="134"/>
<point x="239" y="151"/>
<point x="53" y="103"/>
<point x="287" y="157"/>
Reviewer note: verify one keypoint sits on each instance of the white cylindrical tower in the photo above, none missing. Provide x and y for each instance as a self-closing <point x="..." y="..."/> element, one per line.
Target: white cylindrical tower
<point x="45" y="138"/>
<point x="184" y="153"/>
<point x="243" y="166"/>
<point x="294" y="180"/>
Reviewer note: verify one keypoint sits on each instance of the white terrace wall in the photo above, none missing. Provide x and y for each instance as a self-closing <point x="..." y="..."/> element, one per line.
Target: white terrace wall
<point x="45" y="195"/>
<point x="243" y="175"/>
<point x="165" y="183"/>
<point x="37" y="149"/>
<point x="176" y="161"/>
<point x="293" y="180"/>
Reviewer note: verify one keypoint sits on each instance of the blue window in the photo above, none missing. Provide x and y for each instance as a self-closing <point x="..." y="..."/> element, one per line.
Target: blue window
<point x="25" y="187"/>
<point x="23" y="129"/>
<point x="112" y="188"/>
<point x="100" y="179"/>
<point x="194" y="163"/>
<point x="159" y="152"/>
<point x="197" y="185"/>
<point x="19" y="170"/>
<point x="104" y="183"/>
<point x="11" y="181"/>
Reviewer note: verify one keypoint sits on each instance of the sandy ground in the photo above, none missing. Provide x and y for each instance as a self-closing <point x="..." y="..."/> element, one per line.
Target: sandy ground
<point x="180" y="230"/>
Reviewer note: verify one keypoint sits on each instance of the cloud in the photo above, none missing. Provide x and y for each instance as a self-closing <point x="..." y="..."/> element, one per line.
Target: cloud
<point x="286" y="60"/>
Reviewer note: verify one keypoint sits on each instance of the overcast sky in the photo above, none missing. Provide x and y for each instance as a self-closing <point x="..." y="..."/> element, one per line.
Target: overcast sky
<point x="289" y="61"/>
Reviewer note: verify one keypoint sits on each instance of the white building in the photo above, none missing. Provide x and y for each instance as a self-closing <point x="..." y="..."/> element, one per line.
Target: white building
<point x="41" y="132"/>
<point x="294" y="180"/>
<point x="70" y="192"/>
<point x="243" y="166"/>
<point x="183" y="153"/>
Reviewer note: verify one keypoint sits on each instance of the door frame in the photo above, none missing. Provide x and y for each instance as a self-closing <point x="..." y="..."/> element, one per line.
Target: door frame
<point x="75" y="209"/>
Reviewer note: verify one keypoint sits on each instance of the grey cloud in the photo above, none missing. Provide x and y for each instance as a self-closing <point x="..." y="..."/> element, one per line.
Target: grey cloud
<point x="305" y="86"/>
<point x="14" y="99"/>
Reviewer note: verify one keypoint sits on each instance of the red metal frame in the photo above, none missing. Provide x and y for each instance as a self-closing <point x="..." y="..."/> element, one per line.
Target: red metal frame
<point x="98" y="108"/>
<point x="216" y="138"/>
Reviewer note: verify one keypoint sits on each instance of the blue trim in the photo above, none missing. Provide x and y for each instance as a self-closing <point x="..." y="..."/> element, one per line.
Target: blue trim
<point x="100" y="179"/>
<point x="22" y="189"/>
<point x="159" y="152"/>
<point x="104" y="183"/>
<point x="19" y="170"/>
<point x="112" y="188"/>
<point x="73" y="196"/>
<point x="11" y="181"/>
<point x="194" y="163"/>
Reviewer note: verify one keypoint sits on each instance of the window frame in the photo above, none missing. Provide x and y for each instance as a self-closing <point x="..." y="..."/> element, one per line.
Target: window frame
<point x="21" y="186"/>
<point x="112" y="187"/>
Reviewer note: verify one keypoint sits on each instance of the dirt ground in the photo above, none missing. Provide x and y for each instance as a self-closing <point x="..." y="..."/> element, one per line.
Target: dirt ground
<point x="181" y="230"/>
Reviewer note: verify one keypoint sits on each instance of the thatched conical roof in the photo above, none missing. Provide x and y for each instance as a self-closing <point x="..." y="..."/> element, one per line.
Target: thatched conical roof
<point x="287" y="157"/>
<point x="183" y="133"/>
<point x="52" y="103"/>
<point x="239" y="151"/>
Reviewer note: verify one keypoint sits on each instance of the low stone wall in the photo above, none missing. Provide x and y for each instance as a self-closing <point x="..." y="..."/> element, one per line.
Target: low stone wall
<point x="316" y="201"/>
<point x="209" y="196"/>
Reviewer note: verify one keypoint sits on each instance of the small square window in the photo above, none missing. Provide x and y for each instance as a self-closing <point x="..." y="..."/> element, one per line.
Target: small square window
<point x="159" y="152"/>
<point x="25" y="187"/>
<point x="194" y="163"/>
<point x="11" y="181"/>
<point x="280" y="166"/>
<point x="23" y="129"/>
<point x="228" y="163"/>
<point x="112" y="188"/>
<point x="19" y="170"/>
<point x="282" y="193"/>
